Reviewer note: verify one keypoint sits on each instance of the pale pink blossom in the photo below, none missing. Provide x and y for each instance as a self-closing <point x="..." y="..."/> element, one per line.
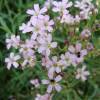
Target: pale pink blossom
<point x="48" y="23"/>
<point x="46" y="62"/>
<point x="77" y="53"/>
<point x="25" y="28"/>
<point x="82" y="73"/>
<point x="46" y="44"/>
<point x="85" y="34"/>
<point x="61" y="6"/>
<point x="55" y="66"/>
<point x="68" y="19"/>
<point x="37" y="27"/>
<point x="90" y="46"/>
<point x="65" y="60"/>
<point x="28" y="60"/>
<point x="53" y="84"/>
<point x="12" y="60"/>
<point x="37" y="12"/>
<point x="43" y="97"/>
<point x="35" y="82"/>
<point x="48" y="4"/>
<point x="14" y="41"/>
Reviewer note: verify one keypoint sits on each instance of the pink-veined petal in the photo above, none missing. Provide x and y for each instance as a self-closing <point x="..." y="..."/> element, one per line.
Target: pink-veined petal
<point x="49" y="89"/>
<point x="58" y="87"/>
<point x="45" y="81"/>
<point x="30" y="12"/>
<point x="58" y="78"/>
<point x="36" y="8"/>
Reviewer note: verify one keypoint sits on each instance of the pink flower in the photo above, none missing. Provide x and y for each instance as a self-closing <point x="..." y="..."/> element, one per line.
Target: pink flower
<point x="46" y="44"/>
<point x="43" y="97"/>
<point x="14" y="41"/>
<point x="37" y="12"/>
<point x="85" y="34"/>
<point x="48" y="4"/>
<point x="37" y="27"/>
<point x="77" y="53"/>
<point x="68" y="19"/>
<point x="61" y="6"/>
<point x="48" y="24"/>
<point x="55" y="66"/>
<point x="82" y="73"/>
<point x="35" y="82"/>
<point x="65" y="60"/>
<point x="53" y="84"/>
<point x="25" y="28"/>
<point x="90" y="46"/>
<point x="12" y="60"/>
<point x="46" y="62"/>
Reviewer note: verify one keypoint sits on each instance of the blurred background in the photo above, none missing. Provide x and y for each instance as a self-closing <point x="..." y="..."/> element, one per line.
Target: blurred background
<point x="15" y="83"/>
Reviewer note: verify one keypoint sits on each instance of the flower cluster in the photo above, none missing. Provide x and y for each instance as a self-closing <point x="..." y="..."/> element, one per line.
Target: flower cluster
<point x="41" y="45"/>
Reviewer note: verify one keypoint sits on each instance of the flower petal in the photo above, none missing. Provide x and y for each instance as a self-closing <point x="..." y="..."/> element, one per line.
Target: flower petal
<point x="54" y="44"/>
<point x="49" y="89"/>
<point x="58" y="87"/>
<point x="58" y="78"/>
<point x="45" y="81"/>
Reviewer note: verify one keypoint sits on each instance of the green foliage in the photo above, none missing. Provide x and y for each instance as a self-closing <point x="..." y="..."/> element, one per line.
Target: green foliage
<point x="16" y="82"/>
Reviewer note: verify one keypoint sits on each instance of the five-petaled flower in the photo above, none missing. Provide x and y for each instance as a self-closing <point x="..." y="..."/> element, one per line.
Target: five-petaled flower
<point x="53" y="83"/>
<point x="82" y="73"/>
<point x="12" y="60"/>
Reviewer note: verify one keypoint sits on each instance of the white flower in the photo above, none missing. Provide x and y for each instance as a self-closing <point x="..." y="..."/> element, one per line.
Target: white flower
<point x="46" y="44"/>
<point x="82" y="73"/>
<point x="14" y="41"/>
<point x="35" y="82"/>
<point x="12" y="60"/>
<point x="37" y="12"/>
<point x="61" y="6"/>
<point x="53" y="84"/>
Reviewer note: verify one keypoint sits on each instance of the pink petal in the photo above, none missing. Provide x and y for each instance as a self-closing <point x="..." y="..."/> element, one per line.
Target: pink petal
<point x="49" y="89"/>
<point x="30" y="12"/>
<point x="58" y="78"/>
<point x="45" y="81"/>
<point x="58" y="87"/>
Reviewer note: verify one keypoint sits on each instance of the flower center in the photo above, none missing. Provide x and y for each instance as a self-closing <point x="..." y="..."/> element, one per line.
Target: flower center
<point x="52" y="81"/>
<point x="78" y="54"/>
